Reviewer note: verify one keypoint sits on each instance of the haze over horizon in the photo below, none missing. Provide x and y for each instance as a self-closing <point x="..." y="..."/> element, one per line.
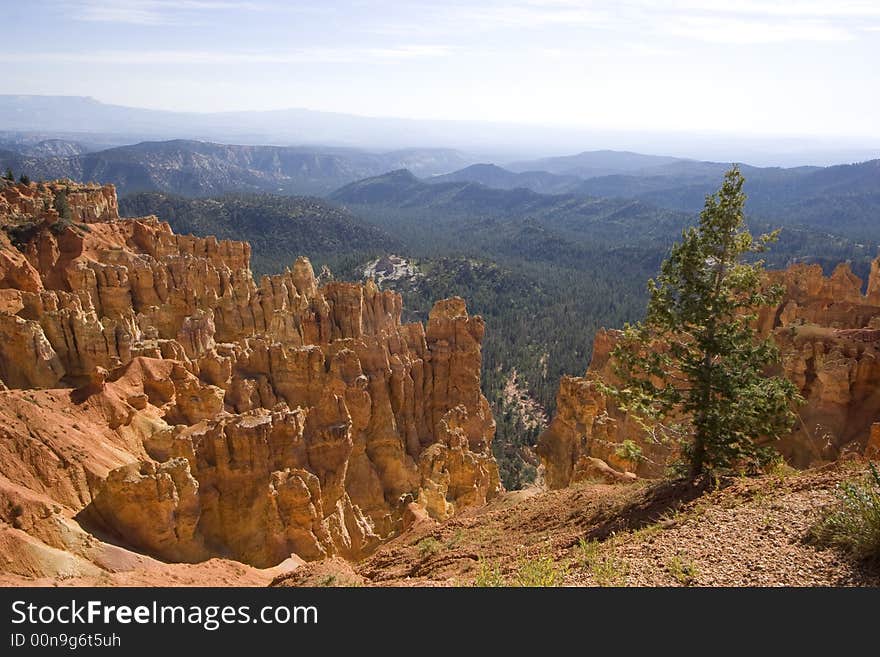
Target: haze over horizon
<point x="784" y="69"/>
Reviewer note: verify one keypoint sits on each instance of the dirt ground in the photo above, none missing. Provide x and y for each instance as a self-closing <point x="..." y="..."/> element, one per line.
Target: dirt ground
<point x="736" y="532"/>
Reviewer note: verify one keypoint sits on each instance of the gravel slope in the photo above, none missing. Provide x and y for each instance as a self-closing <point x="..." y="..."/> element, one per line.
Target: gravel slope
<point x="739" y="532"/>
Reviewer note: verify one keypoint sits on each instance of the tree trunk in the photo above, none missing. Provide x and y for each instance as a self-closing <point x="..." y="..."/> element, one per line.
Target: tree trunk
<point x="698" y="456"/>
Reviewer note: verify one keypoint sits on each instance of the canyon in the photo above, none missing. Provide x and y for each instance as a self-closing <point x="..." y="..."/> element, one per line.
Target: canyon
<point x="159" y="403"/>
<point x="166" y="417"/>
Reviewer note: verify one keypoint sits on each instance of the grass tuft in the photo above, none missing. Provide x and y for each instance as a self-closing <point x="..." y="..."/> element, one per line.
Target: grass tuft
<point x="852" y="522"/>
<point x="683" y="570"/>
<point x="429" y="546"/>
<point x="606" y="569"/>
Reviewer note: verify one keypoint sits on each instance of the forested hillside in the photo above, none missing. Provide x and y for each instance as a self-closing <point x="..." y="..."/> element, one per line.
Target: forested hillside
<point x="491" y="175"/>
<point x="279" y="228"/>
<point x="197" y="168"/>
<point x="842" y="199"/>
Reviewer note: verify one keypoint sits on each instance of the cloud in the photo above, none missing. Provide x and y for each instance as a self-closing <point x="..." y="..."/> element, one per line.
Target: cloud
<point x="149" y="12"/>
<point x="741" y="22"/>
<point x="528" y="15"/>
<point x="721" y="21"/>
<point x="739" y="31"/>
<point x="804" y="9"/>
<point x="178" y="57"/>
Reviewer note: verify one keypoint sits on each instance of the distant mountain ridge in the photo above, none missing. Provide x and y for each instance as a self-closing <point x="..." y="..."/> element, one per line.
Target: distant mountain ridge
<point x="88" y="120"/>
<point x="591" y="164"/>
<point x="624" y="183"/>
<point x="451" y="205"/>
<point x="44" y="147"/>
<point x="195" y="168"/>
<point x="492" y="175"/>
<point x="843" y="199"/>
<point x="563" y="229"/>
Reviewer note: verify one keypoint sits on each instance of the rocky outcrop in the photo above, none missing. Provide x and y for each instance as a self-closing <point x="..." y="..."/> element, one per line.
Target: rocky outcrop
<point x="244" y="418"/>
<point x="87" y="203"/>
<point x="27" y="359"/>
<point x="588" y="425"/>
<point x="168" y="494"/>
<point x="828" y="334"/>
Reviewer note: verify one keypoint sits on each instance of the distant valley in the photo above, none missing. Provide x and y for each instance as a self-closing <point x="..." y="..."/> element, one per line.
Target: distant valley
<point x="275" y="226"/>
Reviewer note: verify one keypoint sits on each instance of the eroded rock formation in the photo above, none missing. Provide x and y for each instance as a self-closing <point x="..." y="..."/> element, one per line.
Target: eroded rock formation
<point x="156" y="392"/>
<point x="828" y="333"/>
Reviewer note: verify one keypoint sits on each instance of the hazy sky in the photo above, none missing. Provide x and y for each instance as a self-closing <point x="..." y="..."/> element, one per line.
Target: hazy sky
<point x="795" y="67"/>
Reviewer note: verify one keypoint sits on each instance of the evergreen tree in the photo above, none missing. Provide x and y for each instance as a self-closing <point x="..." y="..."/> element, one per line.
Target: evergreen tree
<point x="9" y="175"/>
<point x="24" y="179"/>
<point x="696" y="369"/>
<point x="62" y="206"/>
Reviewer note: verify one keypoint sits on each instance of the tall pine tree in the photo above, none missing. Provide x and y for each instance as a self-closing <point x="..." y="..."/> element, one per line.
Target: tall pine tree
<point x="696" y="369"/>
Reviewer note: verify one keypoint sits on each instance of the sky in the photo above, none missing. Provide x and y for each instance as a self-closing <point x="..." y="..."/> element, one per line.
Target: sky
<point x="798" y="67"/>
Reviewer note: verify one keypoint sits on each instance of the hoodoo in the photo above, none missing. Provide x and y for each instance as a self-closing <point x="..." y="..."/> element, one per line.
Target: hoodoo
<point x="156" y="396"/>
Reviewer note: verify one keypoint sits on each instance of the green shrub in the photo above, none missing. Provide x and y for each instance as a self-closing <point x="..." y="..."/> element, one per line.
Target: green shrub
<point x="332" y="580"/>
<point x="540" y="572"/>
<point x="606" y="569"/>
<point x="630" y="451"/>
<point x="683" y="570"/>
<point x="456" y="539"/>
<point x="21" y="234"/>
<point x="59" y="227"/>
<point x="429" y="546"/>
<point x="852" y="523"/>
<point x="62" y="206"/>
<point x="489" y="575"/>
